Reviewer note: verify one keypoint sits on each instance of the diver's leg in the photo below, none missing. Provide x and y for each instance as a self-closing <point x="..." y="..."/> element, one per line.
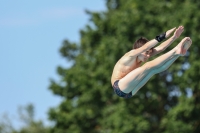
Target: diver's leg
<point x="143" y="81"/>
<point x="138" y="77"/>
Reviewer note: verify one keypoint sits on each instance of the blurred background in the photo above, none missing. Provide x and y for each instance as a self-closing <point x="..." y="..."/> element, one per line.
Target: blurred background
<point x="57" y="59"/>
<point x="31" y="34"/>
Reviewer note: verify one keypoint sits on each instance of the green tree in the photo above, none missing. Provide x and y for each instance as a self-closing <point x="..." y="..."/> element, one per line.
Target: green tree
<point x="31" y="125"/>
<point x="5" y="124"/>
<point x="162" y="105"/>
<point x="26" y="115"/>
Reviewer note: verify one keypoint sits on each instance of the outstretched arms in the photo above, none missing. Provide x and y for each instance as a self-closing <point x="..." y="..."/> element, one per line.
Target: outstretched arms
<point x="145" y="47"/>
<point x="169" y="41"/>
<point x="152" y="43"/>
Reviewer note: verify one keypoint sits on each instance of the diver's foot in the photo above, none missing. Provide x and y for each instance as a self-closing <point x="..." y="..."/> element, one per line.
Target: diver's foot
<point x="183" y="46"/>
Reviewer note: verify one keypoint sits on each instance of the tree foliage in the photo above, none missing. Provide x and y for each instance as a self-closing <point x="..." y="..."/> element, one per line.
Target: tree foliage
<point x="26" y="115"/>
<point x="169" y="102"/>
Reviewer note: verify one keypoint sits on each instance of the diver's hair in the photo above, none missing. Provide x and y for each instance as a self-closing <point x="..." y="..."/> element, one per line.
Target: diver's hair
<point x="140" y="42"/>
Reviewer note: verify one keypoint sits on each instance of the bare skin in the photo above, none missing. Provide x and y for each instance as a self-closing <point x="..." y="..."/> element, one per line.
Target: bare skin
<point x="132" y="76"/>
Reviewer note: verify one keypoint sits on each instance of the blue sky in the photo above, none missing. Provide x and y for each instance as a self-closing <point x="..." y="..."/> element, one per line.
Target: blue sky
<point x="31" y="33"/>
